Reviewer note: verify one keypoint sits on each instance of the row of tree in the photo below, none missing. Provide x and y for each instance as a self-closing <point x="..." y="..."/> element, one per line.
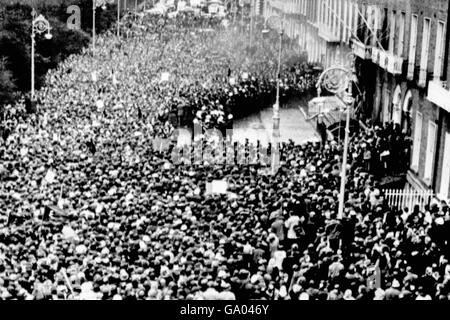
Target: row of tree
<point x="15" y="39"/>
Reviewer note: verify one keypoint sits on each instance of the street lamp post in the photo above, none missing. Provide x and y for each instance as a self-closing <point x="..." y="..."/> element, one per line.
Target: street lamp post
<point x="339" y="81"/>
<point x="276" y="113"/>
<point x="118" y="19"/>
<point x="242" y="16"/>
<point x="251" y="21"/>
<point x="95" y="5"/>
<point x="276" y="107"/>
<point x="39" y="25"/>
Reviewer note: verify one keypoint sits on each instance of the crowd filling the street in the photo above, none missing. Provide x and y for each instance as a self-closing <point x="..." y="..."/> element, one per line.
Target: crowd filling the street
<point x="91" y="209"/>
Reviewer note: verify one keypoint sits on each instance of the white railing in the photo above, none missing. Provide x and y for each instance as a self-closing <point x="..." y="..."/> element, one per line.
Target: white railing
<point x="388" y="61"/>
<point x="327" y="34"/>
<point x="439" y="94"/>
<point x="407" y="198"/>
<point x="278" y="4"/>
<point x="361" y="50"/>
<point x="395" y="64"/>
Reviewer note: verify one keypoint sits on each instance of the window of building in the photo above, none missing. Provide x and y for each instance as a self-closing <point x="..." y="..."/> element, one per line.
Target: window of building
<point x="392" y="31"/>
<point x="330" y="14"/>
<point x="424" y="53"/>
<point x="361" y="27"/>
<point x="345" y="23"/>
<point x="445" y="175"/>
<point x="338" y="19"/>
<point x="385" y="30"/>
<point x="412" y="47"/>
<point x="401" y="34"/>
<point x="417" y="141"/>
<point x="350" y="18"/>
<point x="355" y="17"/>
<point x="431" y="146"/>
<point x="439" y="53"/>
<point x="376" y="26"/>
<point x="333" y="13"/>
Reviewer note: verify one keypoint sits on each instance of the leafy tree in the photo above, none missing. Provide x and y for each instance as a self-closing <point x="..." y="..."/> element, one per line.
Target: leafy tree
<point x="7" y="86"/>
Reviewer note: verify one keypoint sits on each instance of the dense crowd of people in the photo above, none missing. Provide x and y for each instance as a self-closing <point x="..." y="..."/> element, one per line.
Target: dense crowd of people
<point x="91" y="210"/>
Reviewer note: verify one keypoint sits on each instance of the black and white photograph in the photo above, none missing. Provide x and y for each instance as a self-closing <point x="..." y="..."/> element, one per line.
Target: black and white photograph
<point x="247" y="151"/>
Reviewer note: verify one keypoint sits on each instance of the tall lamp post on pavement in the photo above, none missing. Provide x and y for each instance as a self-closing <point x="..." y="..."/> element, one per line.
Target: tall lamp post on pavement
<point x="339" y="81"/>
<point x="276" y="107"/>
<point x="252" y="7"/>
<point x="95" y="5"/>
<point x="118" y="19"/>
<point x="39" y="25"/>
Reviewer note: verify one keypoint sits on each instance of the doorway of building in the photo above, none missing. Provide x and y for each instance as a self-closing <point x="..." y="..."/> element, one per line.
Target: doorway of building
<point x="407" y="113"/>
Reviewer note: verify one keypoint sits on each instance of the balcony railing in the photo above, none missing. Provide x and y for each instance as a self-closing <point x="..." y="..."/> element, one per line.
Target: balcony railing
<point x="361" y="50"/>
<point x="439" y="94"/>
<point x="326" y="34"/>
<point x="388" y="61"/>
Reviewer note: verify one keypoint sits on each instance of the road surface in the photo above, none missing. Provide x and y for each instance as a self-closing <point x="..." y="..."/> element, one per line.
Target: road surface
<point x="259" y="126"/>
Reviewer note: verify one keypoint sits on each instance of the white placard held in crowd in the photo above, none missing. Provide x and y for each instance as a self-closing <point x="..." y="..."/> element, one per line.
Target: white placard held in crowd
<point x="216" y="187"/>
<point x="165" y="76"/>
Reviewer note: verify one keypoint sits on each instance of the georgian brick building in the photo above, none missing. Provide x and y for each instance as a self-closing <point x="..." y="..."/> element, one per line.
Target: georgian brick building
<point x="402" y="50"/>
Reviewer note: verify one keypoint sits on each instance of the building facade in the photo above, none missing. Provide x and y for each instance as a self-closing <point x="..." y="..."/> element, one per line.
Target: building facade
<point x="402" y="45"/>
<point x="402" y="55"/>
<point x="322" y="28"/>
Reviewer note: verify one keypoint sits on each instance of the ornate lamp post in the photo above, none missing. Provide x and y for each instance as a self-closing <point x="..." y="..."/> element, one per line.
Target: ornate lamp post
<point x="95" y="5"/>
<point x="39" y="25"/>
<point x="252" y="8"/>
<point x="339" y="81"/>
<point x="276" y="106"/>
<point x="118" y="19"/>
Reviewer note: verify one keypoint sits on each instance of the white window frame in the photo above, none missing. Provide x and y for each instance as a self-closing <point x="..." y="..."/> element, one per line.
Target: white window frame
<point x="424" y="52"/>
<point x="430" y="152"/>
<point x="417" y="141"/>
<point x="356" y="18"/>
<point x="439" y="51"/>
<point x="392" y="31"/>
<point x="350" y="18"/>
<point x="319" y="12"/>
<point x="333" y="15"/>
<point x="401" y="33"/>
<point x="330" y="14"/>
<point x="338" y="19"/>
<point x="373" y="19"/>
<point x="344" y="30"/>
<point x="445" y="173"/>
<point x="412" y="45"/>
